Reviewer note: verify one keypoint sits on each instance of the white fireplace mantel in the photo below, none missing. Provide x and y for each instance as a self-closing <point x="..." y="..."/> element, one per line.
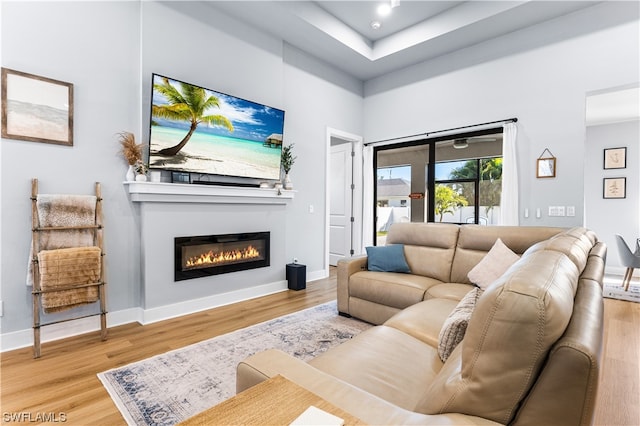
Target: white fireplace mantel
<point x="163" y="192"/>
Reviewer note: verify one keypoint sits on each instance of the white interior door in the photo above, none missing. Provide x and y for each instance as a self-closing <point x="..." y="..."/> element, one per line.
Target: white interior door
<point x="340" y="202"/>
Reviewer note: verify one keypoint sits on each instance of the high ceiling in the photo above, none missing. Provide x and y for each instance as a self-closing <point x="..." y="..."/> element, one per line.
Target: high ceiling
<point x="340" y="32"/>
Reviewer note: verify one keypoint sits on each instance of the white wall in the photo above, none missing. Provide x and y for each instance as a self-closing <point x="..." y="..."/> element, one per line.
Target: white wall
<point x="543" y="85"/>
<point x="109" y="50"/>
<point x="74" y="42"/>
<point x="313" y="105"/>
<point x="608" y="217"/>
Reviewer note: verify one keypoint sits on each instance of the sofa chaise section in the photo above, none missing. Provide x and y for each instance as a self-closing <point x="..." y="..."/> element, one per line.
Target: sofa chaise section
<point x="530" y="354"/>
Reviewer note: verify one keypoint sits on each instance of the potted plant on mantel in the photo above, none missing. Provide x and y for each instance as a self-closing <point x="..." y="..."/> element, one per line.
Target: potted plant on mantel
<point x="132" y="154"/>
<point x="287" y="162"/>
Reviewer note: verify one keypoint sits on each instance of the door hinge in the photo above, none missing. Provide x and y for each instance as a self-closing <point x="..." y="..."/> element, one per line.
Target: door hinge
<point x="352" y="252"/>
<point x="353" y="153"/>
<point x="353" y="219"/>
<point x="353" y="186"/>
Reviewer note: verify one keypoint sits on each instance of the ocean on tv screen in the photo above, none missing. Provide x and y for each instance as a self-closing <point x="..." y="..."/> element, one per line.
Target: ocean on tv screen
<point x="213" y="133"/>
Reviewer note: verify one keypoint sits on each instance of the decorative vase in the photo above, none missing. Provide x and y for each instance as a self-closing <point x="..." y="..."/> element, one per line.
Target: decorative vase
<point x="287" y="182"/>
<point x="141" y="178"/>
<point x="131" y="175"/>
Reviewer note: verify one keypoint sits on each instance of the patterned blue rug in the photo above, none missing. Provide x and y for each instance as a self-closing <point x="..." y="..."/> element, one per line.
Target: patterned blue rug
<point x="169" y="388"/>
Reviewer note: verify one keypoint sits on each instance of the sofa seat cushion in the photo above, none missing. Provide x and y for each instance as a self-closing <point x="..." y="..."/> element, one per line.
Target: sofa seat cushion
<point x="423" y="320"/>
<point x="392" y="289"/>
<point x="384" y="362"/>
<point x="453" y="291"/>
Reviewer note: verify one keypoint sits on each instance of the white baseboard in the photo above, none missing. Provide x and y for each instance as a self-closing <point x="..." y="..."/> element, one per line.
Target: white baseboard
<point x="317" y="275"/>
<point x="24" y="338"/>
<point x="196" y="305"/>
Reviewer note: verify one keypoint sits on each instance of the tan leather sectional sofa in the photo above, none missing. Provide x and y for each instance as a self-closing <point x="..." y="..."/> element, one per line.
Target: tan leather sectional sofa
<point x="530" y="354"/>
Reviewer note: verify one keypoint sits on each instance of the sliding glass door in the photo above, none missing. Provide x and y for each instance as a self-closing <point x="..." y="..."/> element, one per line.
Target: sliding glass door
<point x="454" y="179"/>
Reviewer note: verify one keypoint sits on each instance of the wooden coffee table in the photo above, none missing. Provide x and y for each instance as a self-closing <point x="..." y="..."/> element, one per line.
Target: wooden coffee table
<point x="277" y="401"/>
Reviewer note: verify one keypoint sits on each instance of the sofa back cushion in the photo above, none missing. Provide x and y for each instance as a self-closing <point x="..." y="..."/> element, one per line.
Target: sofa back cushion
<point x="516" y="321"/>
<point x="576" y="243"/>
<point x="428" y="247"/>
<point x="474" y="241"/>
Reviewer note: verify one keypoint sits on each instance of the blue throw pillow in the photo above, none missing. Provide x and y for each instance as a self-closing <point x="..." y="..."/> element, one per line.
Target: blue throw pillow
<point x="387" y="259"/>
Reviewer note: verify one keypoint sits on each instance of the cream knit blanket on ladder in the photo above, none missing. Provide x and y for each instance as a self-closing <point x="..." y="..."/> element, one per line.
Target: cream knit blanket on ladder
<point x="63" y="210"/>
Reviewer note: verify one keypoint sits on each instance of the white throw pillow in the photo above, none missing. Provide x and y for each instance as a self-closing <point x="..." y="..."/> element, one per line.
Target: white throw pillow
<point x="493" y="265"/>
<point x="455" y="326"/>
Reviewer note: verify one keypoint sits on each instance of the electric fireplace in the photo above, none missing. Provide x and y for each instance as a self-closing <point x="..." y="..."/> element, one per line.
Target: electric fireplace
<point x="201" y="256"/>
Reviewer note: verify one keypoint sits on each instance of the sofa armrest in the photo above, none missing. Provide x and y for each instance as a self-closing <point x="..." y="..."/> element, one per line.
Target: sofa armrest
<point x="367" y="407"/>
<point x="346" y="268"/>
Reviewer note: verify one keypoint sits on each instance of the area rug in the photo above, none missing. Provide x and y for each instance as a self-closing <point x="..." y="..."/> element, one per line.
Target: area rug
<point x="169" y="388"/>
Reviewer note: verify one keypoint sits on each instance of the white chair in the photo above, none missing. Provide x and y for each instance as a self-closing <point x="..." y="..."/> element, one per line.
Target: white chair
<point x="630" y="260"/>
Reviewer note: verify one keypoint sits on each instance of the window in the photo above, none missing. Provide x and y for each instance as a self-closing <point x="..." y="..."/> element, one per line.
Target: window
<point x="468" y="191"/>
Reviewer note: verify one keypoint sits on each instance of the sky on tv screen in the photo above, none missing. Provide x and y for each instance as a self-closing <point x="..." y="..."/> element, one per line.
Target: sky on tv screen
<point x="251" y="149"/>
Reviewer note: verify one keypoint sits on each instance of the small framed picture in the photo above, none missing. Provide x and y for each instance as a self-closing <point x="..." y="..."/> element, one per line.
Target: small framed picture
<point x="36" y="108"/>
<point x="614" y="187"/>
<point x="546" y="167"/>
<point x="615" y="158"/>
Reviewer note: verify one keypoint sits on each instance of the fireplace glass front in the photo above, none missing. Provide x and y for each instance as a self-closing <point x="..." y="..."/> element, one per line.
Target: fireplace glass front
<point x="201" y="256"/>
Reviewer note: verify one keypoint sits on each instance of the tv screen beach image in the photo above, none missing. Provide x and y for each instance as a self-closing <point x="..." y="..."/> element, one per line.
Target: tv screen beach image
<point x="198" y="130"/>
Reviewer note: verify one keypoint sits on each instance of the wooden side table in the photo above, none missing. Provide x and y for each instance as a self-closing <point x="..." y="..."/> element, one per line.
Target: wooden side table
<point x="277" y="401"/>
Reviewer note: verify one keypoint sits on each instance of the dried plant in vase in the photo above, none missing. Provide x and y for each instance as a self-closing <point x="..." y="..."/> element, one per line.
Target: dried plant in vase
<point x="129" y="149"/>
<point x="131" y="152"/>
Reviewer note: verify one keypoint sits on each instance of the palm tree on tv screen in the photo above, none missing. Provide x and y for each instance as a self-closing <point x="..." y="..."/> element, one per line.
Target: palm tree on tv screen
<point x="188" y="105"/>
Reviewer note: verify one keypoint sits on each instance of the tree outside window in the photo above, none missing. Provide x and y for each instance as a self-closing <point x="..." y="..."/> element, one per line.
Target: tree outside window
<point x="471" y="185"/>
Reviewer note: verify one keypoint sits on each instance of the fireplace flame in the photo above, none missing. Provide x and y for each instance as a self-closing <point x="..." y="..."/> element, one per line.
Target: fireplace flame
<point x="212" y="258"/>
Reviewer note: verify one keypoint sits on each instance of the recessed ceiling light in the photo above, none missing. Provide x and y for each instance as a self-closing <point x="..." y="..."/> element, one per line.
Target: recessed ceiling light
<point x="384" y="9"/>
<point x="375" y="25"/>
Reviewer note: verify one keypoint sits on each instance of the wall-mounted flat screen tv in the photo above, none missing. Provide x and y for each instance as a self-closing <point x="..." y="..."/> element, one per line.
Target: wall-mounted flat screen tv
<point x="198" y="130"/>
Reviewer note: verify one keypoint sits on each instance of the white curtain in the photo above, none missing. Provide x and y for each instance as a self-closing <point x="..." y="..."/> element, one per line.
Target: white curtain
<point x="509" y="198"/>
<point x="367" y="197"/>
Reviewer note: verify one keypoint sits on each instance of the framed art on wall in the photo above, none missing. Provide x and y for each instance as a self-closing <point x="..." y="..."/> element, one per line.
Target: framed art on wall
<point x="546" y="167"/>
<point x="615" y="158"/>
<point x="614" y="187"/>
<point x="36" y="108"/>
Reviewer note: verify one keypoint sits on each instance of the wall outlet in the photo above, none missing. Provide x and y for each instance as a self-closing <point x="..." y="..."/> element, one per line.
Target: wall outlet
<point x="295" y="260"/>
<point x="571" y="210"/>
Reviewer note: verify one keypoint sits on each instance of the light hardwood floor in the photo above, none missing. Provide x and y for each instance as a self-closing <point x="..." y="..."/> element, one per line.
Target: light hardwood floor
<point x="63" y="382"/>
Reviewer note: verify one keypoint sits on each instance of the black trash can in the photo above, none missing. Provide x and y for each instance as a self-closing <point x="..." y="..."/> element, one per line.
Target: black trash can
<point x="296" y="276"/>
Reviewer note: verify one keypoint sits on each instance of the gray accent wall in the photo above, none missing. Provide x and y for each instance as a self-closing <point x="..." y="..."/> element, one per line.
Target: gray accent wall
<point x="109" y="50"/>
